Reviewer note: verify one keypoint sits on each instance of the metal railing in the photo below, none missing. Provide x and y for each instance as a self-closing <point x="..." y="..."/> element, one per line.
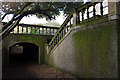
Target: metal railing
<point x="78" y="17"/>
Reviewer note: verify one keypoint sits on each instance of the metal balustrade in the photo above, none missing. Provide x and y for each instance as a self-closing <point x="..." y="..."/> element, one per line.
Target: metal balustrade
<point x="78" y="17"/>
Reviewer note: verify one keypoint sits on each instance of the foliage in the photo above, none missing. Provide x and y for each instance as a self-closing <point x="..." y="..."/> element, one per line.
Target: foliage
<point x="49" y="10"/>
<point x="71" y="6"/>
<point x="45" y="9"/>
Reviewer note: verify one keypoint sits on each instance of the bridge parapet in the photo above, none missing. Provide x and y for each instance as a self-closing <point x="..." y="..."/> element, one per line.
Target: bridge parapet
<point x="34" y="29"/>
<point x="91" y="11"/>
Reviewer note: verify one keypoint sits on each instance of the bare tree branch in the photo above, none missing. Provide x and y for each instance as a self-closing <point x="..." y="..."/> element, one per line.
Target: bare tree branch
<point x="11" y="21"/>
<point x="6" y="15"/>
<point x="10" y="28"/>
<point x="50" y="6"/>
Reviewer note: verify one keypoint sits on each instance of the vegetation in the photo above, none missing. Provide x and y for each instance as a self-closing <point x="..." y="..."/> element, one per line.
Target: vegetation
<point x="49" y="10"/>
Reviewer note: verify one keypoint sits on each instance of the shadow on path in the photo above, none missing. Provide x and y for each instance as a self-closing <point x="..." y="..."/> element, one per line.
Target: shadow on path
<point x="32" y="71"/>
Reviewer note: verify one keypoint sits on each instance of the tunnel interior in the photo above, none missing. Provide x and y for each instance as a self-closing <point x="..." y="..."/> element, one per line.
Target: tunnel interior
<point x="21" y="53"/>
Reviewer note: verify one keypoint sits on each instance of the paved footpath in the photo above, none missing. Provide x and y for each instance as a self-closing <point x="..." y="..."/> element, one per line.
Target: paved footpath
<point x="32" y="71"/>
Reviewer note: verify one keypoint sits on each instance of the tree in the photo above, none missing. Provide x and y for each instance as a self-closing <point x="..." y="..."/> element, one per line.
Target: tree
<point x="49" y="10"/>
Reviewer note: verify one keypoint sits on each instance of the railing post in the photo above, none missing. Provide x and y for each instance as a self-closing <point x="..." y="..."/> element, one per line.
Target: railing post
<point x="64" y="30"/>
<point x="22" y="29"/>
<point x="114" y="10"/>
<point x="82" y="15"/>
<point x="31" y="30"/>
<point x="78" y="17"/>
<point x="27" y="29"/>
<point x="57" y="38"/>
<point x="101" y="8"/>
<point x="70" y="23"/>
<point x="53" y="31"/>
<point x="62" y="34"/>
<point x="87" y="12"/>
<point x="39" y="30"/>
<point x="42" y="30"/>
<point x="46" y="30"/>
<point x="50" y="30"/>
<point x="18" y="29"/>
<point x="67" y="27"/>
<point x="75" y="18"/>
<point x="34" y="30"/>
<point x="94" y="11"/>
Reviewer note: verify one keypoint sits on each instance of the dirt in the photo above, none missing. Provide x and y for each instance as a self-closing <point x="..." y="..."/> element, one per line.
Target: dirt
<point x="32" y="71"/>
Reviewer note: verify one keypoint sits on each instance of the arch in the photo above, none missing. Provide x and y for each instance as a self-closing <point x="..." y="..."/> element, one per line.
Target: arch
<point x="12" y="39"/>
<point x="22" y="43"/>
<point x="16" y="42"/>
<point x="23" y="52"/>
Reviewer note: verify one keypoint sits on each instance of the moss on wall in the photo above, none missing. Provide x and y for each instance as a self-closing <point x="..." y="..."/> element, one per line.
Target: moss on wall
<point x="38" y="40"/>
<point x="47" y="59"/>
<point x="118" y="48"/>
<point x="50" y="62"/>
<point x="31" y="39"/>
<point x="92" y="50"/>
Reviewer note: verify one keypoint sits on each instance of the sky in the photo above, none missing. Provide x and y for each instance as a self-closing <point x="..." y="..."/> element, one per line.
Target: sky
<point x="34" y="20"/>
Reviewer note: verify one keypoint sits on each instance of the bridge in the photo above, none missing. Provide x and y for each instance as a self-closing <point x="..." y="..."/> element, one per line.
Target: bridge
<point x="24" y="33"/>
<point x="85" y="46"/>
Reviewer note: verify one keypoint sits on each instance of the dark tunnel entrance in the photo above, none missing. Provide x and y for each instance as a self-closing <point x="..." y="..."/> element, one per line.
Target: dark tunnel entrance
<point x="21" y="53"/>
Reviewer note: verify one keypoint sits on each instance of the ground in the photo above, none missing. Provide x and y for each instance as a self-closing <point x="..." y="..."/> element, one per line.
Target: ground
<point x="32" y="71"/>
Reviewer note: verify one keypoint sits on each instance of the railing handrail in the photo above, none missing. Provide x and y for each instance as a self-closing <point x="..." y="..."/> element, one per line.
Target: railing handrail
<point x="64" y="23"/>
<point x="88" y="4"/>
<point x="33" y="29"/>
<point x="29" y="25"/>
<point x="68" y="19"/>
<point x="62" y="30"/>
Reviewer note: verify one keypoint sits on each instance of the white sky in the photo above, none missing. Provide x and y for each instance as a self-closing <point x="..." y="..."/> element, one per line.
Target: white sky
<point x="34" y="20"/>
